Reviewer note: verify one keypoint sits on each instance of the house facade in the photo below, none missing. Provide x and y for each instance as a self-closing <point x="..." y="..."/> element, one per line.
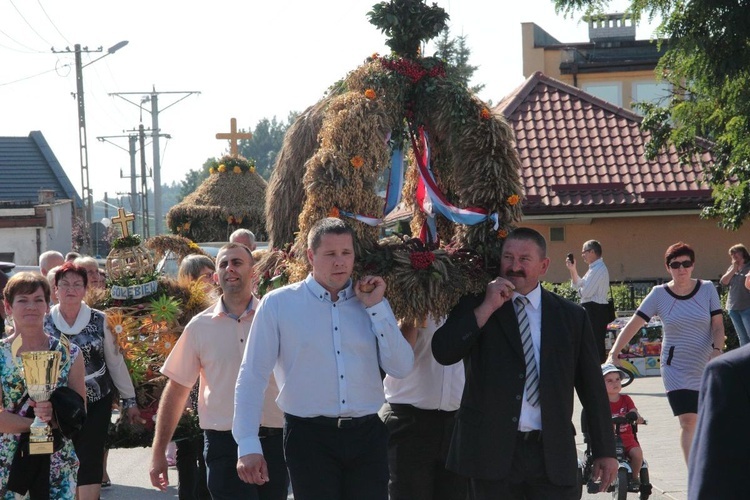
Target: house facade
<point x="37" y="200"/>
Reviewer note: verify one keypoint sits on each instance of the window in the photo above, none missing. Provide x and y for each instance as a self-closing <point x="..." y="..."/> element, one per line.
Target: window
<point x="610" y="92"/>
<point x="653" y="92"/>
<point x="557" y="234"/>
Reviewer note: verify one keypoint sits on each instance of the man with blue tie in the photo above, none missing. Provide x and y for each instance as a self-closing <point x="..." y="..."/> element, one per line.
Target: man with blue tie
<point x="524" y="350"/>
<point x="326" y="339"/>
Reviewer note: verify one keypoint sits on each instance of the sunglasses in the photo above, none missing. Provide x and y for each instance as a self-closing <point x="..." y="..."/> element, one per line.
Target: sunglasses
<point x="687" y="264"/>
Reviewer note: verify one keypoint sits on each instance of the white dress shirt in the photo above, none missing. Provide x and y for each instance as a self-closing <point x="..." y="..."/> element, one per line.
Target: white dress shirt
<point x="531" y="417"/>
<point x="430" y="385"/>
<point x="326" y="357"/>
<point x="594" y="286"/>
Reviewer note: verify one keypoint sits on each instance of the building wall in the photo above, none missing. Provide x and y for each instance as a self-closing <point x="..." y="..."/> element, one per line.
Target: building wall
<point x="28" y="242"/>
<point x="633" y="247"/>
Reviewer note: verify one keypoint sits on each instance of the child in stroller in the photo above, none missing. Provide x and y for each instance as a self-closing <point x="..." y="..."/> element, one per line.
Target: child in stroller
<point x="633" y="471"/>
<point x="620" y="405"/>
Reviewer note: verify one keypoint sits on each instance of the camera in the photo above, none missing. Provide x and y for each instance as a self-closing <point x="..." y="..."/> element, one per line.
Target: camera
<point x="570" y="258"/>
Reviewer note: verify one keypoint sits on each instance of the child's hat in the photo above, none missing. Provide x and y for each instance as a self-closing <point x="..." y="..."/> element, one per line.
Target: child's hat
<point x="609" y="368"/>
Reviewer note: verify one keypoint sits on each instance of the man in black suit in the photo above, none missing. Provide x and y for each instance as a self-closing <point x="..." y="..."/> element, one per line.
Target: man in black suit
<point x="524" y="351"/>
<point x="719" y="458"/>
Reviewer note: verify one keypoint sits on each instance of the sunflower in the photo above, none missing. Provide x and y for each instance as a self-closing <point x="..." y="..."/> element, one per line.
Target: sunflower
<point x="222" y="168"/>
<point x="165" y="309"/>
<point x="164" y="345"/>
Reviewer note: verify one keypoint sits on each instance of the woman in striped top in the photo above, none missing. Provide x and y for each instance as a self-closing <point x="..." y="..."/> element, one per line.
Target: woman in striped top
<point x="690" y="312"/>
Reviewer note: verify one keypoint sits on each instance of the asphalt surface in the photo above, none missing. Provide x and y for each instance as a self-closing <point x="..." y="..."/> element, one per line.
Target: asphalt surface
<point x="128" y="468"/>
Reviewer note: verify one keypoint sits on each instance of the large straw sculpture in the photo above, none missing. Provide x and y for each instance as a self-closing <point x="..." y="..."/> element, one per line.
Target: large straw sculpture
<point x="392" y="103"/>
<point x="232" y="197"/>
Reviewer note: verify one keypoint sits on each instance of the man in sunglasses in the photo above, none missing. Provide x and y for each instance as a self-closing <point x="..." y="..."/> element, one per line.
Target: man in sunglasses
<point x="593" y="289"/>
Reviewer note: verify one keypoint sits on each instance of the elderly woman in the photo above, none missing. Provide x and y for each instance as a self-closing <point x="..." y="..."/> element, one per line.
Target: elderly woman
<point x="105" y="370"/>
<point x="691" y="316"/>
<point x="27" y="302"/>
<point x="738" y="298"/>
<point x="95" y="277"/>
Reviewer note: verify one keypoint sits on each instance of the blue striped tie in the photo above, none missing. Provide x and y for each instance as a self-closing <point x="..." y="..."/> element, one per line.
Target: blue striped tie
<point x="532" y="374"/>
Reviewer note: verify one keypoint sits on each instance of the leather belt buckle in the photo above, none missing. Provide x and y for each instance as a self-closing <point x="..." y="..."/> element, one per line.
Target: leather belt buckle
<point x="344" y="422"/>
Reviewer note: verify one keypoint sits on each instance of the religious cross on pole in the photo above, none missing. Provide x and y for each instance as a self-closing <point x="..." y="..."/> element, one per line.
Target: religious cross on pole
<point x="233" y="137"/>
<point x="122" y="219"/>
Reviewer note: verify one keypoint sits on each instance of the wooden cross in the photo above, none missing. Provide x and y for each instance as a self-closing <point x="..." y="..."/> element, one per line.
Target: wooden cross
<point x="123" y="219"/>
<point x="233" y="137"/>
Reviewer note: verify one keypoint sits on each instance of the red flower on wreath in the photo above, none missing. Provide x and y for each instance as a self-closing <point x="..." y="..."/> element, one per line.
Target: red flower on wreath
<point x="370" y="94"/>
<point x="486" y="114"/>
<point x="421" y="260"/>
<point x="513" y="199"/>
<point x="334" y="212"/>
<point x="502" y="234"/>
<point x="357" y="161"/>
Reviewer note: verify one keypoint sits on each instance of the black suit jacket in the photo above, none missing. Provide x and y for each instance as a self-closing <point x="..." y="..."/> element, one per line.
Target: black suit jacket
<point x="720" y="456"/>
<point x="485" y="433"/>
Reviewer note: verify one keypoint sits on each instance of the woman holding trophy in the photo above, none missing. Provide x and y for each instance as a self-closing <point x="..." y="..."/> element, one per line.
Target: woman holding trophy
<point x="31" y="359"/>
<point x="105" y="370"/>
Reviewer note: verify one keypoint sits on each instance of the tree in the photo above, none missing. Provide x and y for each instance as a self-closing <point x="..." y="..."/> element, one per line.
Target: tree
<point x="266" y="142"/>
<point x="708" y="66"/>
<point x="456" y="52"/>
<point x="192" y="180"/>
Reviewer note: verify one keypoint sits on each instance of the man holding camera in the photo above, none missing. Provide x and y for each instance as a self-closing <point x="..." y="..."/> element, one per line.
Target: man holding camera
<point x="593" y="289"/>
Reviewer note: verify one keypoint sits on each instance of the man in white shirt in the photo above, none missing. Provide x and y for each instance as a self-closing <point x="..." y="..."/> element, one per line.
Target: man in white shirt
<point x="211" y="348"/>
<point x="593" y="289"/>
<point x="420" y="413"/>
<point x="325" y="339"/>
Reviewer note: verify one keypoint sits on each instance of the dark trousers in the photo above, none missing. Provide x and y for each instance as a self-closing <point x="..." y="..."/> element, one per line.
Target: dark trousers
<point x="599" y="316"/>
<point x="272" y="442"/>
<point x="220" y="452"/>
<point x="89" y="441"/>
<point x="527" y="479"/>
<point x="191" y="470"/>
<point x="330" y="463"/>
<point x="418" y="444"/>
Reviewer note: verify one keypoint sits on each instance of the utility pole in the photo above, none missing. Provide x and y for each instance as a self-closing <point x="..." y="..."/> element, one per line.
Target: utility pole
<point x="86" y="195"/>
<point x="144" y="185"/>
<point x="134" y="197"/>
<point x="153" y="97"/>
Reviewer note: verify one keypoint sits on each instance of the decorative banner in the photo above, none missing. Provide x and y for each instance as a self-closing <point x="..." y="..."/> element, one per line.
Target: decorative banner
<point x="134" y="291"/>
<point x="433" y="200"/>
<point x="370" y="221"/>
<point x="395" y="181"/>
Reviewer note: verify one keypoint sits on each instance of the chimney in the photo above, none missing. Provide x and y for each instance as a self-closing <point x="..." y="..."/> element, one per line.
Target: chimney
<point x="46" y="196"/>
<point x="616" y="27"/>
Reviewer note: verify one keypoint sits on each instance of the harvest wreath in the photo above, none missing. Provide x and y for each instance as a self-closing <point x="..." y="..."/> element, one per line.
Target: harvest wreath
<point x="451" y="160"/>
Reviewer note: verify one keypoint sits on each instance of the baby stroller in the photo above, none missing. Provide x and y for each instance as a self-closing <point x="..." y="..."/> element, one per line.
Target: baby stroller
<point x="619" y="488"/>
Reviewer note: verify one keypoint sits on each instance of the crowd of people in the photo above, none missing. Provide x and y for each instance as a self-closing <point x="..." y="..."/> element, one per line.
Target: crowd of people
<point x="318" y="387"/>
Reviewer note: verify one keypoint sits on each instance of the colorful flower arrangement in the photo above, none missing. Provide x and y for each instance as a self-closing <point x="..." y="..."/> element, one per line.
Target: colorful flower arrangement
<point x="146" y="314"/>
<point x="234" y="164"/>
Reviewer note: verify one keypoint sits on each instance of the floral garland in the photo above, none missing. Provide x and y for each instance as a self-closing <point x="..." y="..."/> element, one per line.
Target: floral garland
<point x="232" y="164"/>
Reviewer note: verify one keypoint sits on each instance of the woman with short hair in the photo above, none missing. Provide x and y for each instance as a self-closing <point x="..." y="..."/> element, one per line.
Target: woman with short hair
<point x="693" y="334"/>
<point x="738" y="297"/>
<point x="105" y="371"/>
<point x="27" y="302"/>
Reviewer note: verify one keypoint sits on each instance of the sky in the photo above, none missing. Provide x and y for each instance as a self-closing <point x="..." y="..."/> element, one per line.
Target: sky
<point x="249" y="60"/>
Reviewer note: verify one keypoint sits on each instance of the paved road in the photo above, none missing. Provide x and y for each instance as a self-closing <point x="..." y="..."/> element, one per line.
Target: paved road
<point x="659" y="439"/>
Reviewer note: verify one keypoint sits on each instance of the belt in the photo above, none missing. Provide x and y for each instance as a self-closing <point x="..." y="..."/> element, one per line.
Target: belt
<point x="265" y="432"/>
<point x="529" y="435"/>
<point x="337" y="422"/>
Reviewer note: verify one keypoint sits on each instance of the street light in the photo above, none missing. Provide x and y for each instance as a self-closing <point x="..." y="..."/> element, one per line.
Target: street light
<point x="86" y="195"/>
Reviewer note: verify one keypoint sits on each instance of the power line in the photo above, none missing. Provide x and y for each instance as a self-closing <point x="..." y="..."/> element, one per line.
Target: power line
<point x="29" y="49"/>
<point x="51" y="22"/>
<point x="28" y="23"/>
<point x="30" y="77"/>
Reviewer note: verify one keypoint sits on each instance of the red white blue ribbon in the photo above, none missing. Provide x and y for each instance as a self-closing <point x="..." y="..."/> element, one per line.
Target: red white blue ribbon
<point x="432" y="200"/>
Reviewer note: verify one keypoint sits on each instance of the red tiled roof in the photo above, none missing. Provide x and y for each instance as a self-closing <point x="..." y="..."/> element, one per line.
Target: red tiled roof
<point x="581" y="154"/>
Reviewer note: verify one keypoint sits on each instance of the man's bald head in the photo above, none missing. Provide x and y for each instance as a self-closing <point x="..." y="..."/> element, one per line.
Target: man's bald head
<point x="50" y="259"/>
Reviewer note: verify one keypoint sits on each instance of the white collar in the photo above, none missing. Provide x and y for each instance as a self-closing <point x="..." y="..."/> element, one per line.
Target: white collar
<point x="84" y="315"/>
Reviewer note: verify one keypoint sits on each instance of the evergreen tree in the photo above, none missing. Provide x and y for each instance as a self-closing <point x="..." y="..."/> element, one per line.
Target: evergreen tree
<point x="456" y="52"/>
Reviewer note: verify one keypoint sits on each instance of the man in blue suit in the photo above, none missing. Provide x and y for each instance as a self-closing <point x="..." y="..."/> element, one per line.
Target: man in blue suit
<point x="720" y="454"/>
